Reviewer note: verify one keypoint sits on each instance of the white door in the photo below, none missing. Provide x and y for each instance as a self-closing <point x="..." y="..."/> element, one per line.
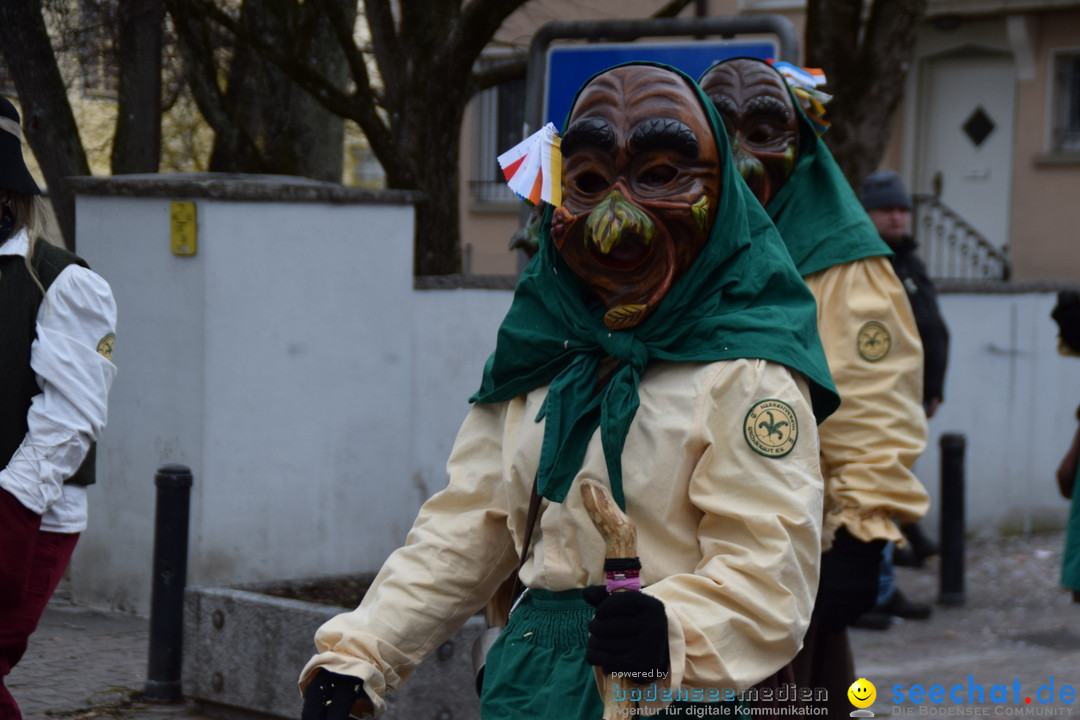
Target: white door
<point x="967" y="141"/>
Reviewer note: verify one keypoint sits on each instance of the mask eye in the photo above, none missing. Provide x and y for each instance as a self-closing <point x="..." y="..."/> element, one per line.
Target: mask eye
<point x="590" y="183"/>
<point x="760" y="136"/>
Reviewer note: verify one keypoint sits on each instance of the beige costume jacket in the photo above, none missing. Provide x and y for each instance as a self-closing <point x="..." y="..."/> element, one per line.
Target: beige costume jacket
<point x="722" y="479"/>
<point x="870" y="443"/>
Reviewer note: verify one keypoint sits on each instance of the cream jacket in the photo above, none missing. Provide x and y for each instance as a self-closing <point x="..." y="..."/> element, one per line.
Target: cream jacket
<point x="729" y="537"/>
<point x="870" y="443"/>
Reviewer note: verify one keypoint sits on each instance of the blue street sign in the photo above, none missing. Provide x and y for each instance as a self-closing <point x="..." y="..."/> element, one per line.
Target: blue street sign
<point x="569" y="66"/>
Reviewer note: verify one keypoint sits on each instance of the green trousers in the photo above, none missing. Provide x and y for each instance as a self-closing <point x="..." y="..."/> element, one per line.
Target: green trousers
<point x="536" y="670"/>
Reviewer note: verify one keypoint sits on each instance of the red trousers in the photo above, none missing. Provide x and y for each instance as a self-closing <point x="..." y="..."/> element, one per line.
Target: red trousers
<point x="32" y="562"/>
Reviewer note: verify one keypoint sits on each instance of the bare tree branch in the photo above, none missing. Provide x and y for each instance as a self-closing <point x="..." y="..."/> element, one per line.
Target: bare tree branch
<point x="47" y="120"/>
<point x="672" y="9"/>
<point x="198" y="54"/>
<point x="384" y="41"/>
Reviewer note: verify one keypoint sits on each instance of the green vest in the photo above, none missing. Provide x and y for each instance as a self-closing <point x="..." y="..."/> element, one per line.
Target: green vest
<point x="20" y="299"/>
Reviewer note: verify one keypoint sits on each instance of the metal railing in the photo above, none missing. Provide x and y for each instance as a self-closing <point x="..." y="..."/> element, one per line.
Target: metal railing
<point x="951" y="248"/>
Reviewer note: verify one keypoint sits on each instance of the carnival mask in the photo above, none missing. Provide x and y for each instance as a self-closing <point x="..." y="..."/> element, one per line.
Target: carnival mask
<point x="761" y="122"/>
<point x="641" y="182"/>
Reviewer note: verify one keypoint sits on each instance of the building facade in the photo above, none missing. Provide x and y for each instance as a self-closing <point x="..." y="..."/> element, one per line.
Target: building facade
<point x="987" y="137"/>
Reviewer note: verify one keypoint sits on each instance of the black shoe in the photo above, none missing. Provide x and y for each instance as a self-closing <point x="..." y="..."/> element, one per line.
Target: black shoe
<point x="876" y="619"/>
<point x="922" y="547"/>
<point x="901" y="607"/>
<point x="904" y="557"/>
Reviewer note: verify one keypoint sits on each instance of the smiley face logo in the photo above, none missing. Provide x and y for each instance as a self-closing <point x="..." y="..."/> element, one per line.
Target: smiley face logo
<point x="862" y="693"/>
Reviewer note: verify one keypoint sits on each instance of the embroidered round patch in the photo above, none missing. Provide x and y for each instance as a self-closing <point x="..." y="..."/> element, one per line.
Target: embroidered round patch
<point x="771" y="428"/>
<point x="874" y="341"/>
<point x="106" y="344"/>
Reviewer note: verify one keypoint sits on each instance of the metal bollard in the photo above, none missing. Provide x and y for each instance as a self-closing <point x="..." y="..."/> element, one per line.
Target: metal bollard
<point x="170" y="576"/>
<point x="951" y="589"/>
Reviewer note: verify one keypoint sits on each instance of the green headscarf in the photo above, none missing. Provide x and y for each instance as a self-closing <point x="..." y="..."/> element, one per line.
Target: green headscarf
<point x="742" y="298"/>
<point x="816" y="211"/>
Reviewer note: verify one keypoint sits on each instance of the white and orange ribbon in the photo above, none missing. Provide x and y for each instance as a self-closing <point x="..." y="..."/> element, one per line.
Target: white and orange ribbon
<point x="533" y="167"/>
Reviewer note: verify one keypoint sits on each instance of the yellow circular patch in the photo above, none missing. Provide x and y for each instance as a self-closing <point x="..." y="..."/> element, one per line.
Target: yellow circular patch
<point x="771" y="428"/>
<point x="106" y="344"/>
<point x="874" y="341"/>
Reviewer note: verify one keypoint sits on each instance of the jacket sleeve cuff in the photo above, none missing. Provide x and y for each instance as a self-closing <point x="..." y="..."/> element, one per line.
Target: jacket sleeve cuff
<point x="866" y="527"/>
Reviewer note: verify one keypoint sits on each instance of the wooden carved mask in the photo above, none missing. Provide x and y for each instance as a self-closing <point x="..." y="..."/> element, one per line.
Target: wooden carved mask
<point x="761" y="122"/>
<point x="641" y="183"/>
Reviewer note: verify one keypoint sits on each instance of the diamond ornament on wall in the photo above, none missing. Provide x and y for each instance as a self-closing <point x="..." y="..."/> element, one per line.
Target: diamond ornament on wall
<point x="978" y="126"/>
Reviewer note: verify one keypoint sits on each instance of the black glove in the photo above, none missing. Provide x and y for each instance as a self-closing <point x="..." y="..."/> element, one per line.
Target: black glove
<point x="628" y="634"/>
<point x="330" y="696"/>
<point x="849" y="580"/>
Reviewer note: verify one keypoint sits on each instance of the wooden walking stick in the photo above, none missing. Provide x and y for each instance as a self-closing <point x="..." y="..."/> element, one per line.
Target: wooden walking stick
<point x="620" y="543"/>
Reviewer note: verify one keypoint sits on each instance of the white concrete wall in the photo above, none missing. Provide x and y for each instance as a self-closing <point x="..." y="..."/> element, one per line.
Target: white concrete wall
<point x="1014" y="398"/>
<point x="291" y="365"/>
<point x="315" y="394"/>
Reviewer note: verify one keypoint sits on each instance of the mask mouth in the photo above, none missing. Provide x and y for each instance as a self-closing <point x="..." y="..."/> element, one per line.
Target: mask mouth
<point x="631" y="252"/>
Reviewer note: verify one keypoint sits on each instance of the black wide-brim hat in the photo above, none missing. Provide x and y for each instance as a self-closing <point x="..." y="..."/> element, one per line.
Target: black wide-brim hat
<point x="13" y="173"/>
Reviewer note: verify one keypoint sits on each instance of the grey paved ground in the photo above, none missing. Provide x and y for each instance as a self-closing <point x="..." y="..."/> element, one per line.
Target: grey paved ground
<point x="85" y="663"/>
<point x="1017" y="625"/>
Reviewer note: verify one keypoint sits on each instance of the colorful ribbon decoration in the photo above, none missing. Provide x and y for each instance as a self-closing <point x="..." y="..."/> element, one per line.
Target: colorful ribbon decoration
<point x="533" y="167"/>
<point x="804" y="83"/>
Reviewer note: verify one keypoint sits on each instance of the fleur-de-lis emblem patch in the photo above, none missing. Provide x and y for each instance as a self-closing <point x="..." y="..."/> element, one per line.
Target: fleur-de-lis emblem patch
<point x="105" y="346"/>
<point x="771" y="428"/>
<point x="874" y="341"/>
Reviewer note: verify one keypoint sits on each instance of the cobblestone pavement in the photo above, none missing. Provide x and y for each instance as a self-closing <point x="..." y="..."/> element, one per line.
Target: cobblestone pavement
<point x="1017" y="634"/>
<point x="85" y="663"/>
<point x="1017" y="625"/>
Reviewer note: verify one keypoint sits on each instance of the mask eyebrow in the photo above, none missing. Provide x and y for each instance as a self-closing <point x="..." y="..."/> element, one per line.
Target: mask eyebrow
<point x="765" y="105"/>
<point x="665" y="134"/>
<point x="725" y="105"/>
<point x="588" y="132"/>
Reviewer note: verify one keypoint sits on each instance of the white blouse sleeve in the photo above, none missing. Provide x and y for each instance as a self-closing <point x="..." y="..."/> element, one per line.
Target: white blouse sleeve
<point x="71" y="356"/>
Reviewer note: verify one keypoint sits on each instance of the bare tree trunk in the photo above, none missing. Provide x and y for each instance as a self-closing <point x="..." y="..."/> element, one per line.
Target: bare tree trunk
<point x="866" y="67"/>
<point x="47" y="120"/>
<point x="313" y="138"/>
<point x="137" y="142"/>
<point x="268" y="123"/>
<point x="434" y="149"/>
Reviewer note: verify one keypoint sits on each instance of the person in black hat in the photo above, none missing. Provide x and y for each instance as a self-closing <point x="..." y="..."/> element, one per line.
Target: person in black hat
<point x="57" y="331"/>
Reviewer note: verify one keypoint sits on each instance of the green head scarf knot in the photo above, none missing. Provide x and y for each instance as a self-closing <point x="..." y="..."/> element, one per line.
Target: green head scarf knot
<point x="742" y="298"/>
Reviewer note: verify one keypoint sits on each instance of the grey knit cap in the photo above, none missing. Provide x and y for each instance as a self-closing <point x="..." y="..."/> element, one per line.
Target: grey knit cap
<point x="884" y="189"/>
